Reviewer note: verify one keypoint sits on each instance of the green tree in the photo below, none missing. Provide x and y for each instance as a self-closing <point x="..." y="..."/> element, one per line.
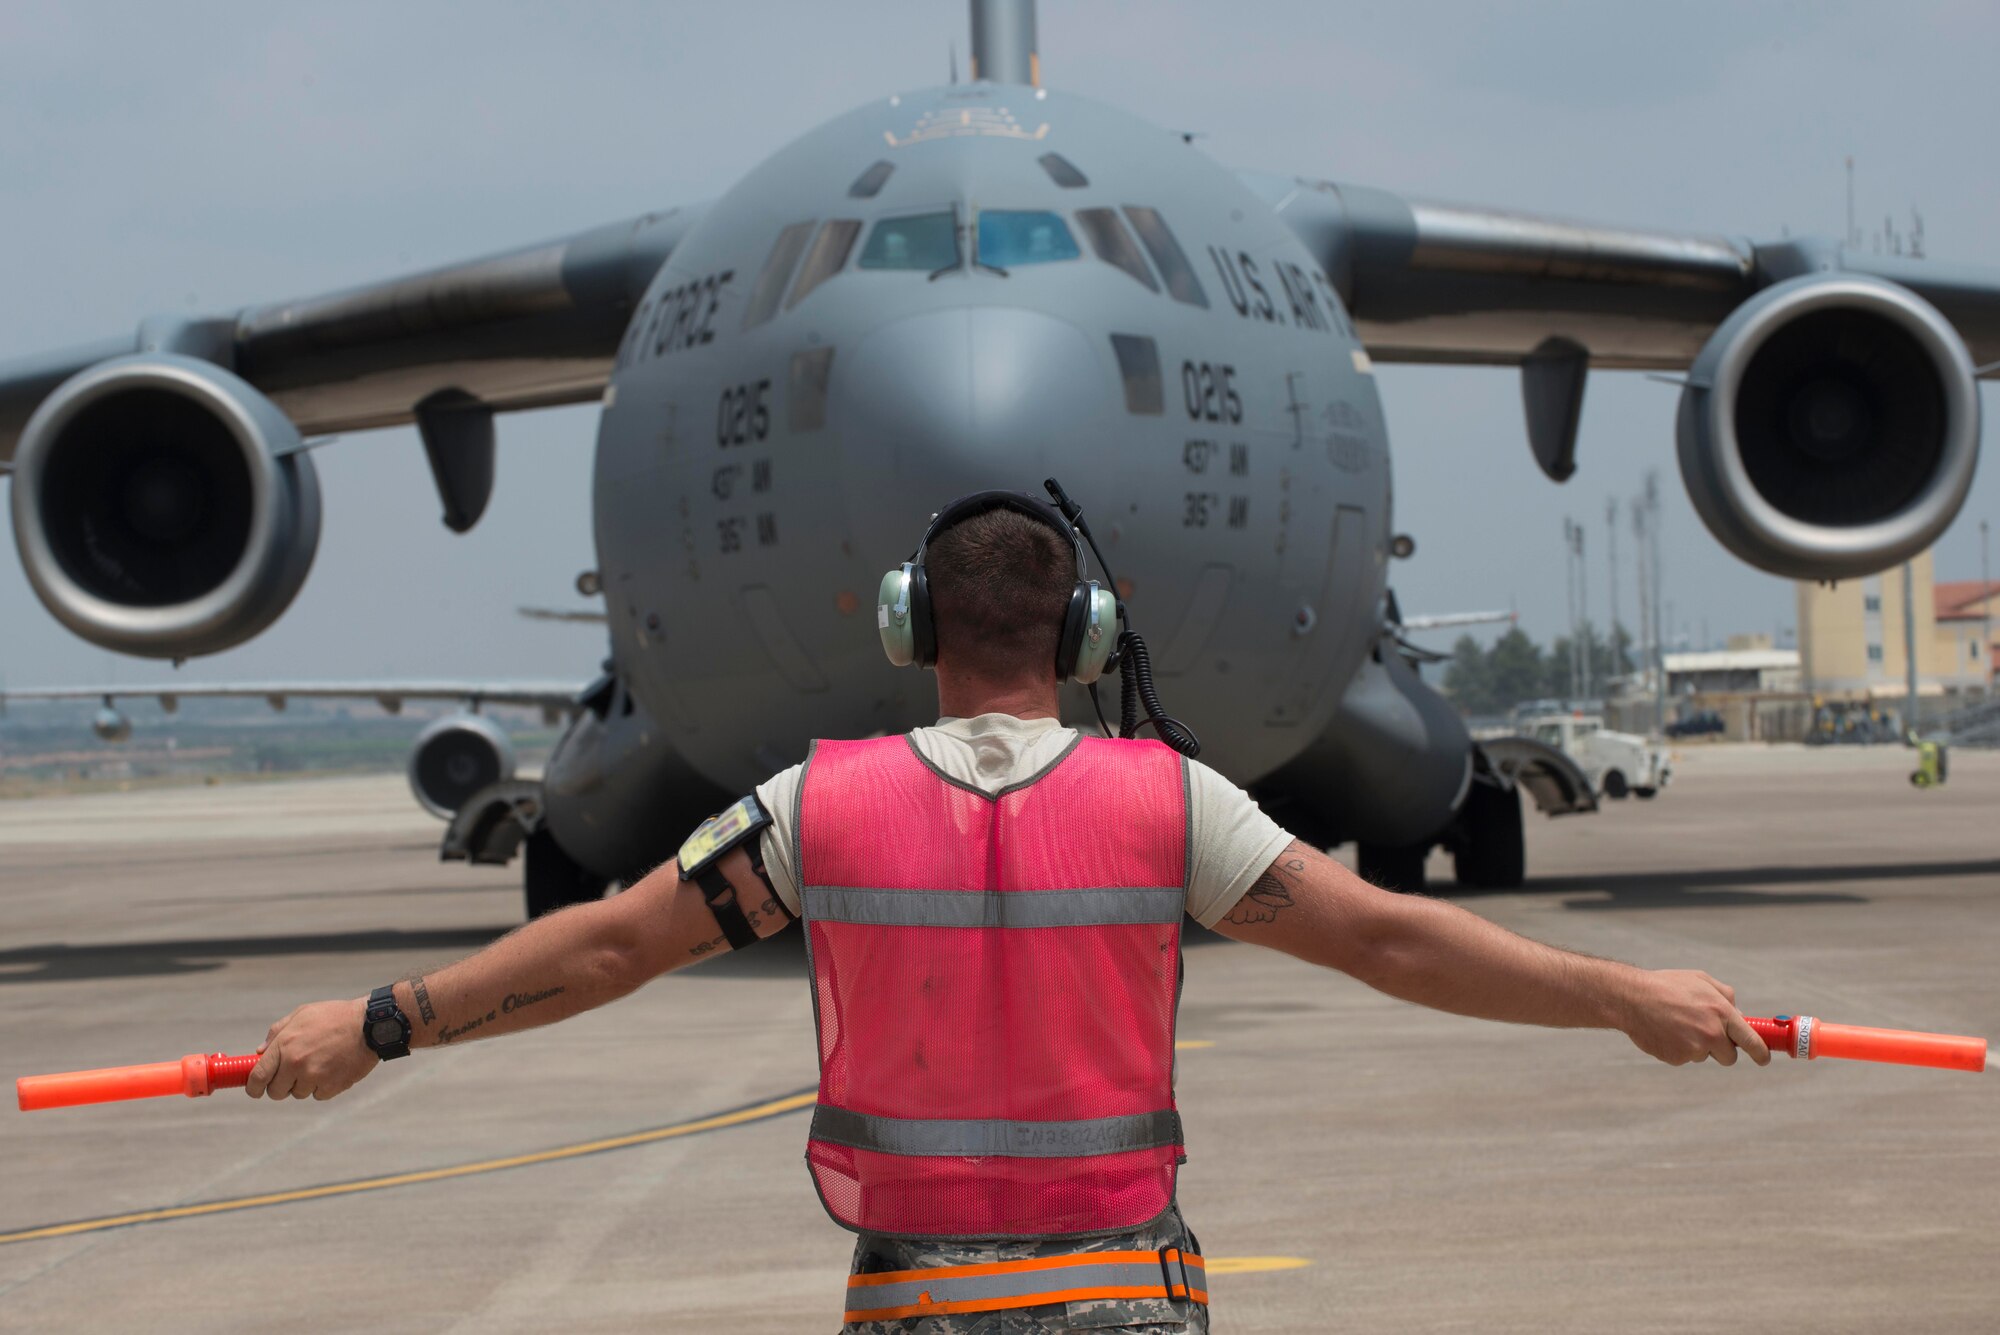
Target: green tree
<point x="1618" y="659"/>
<point x="1468" y="680"/>
<point x="1515" y="669"/>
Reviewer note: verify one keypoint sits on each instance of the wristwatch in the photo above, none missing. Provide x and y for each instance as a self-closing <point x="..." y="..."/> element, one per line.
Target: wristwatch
<point x="386" y="1030"/>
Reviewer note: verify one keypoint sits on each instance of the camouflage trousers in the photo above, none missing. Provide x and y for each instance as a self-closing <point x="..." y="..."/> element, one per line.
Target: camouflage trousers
<point x="1107" y="1316"/>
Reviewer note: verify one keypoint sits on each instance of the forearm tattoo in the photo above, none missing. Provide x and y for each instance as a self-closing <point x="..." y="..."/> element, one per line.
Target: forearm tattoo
<point x="423" y="996"/>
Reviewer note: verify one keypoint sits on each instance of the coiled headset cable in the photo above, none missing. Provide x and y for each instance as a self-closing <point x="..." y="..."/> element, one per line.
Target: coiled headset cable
<point x="1130" y="656"/>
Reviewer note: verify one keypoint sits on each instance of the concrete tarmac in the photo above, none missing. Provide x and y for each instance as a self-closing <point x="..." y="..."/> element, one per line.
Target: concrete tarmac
<point x="1433" y="1173"/>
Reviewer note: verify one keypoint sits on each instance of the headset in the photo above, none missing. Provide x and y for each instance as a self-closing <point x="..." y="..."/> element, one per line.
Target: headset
<point x="1092" y="642"/>
<point x="1089" y="640"/>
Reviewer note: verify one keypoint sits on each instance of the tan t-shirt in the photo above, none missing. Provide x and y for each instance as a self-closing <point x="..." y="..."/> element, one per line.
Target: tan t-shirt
<point x="1230" y="843"/>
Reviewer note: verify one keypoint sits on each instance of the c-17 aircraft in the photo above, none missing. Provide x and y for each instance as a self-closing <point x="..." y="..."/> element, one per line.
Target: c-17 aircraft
<point x="979" y="285"/>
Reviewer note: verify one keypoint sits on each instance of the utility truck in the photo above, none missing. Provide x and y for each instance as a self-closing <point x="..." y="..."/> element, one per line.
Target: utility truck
<point x="1618" y="763"/>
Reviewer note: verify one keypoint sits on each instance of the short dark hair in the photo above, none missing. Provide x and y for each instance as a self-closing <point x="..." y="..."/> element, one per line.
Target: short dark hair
<point x="1000" y="585"/>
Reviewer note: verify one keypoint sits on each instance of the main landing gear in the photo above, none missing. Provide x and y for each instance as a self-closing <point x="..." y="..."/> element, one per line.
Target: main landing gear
<point x="1486" y="844"/>
<point x="553" y="879"/>
<point x="1393" y="867"/>
<point x="1487" y="849"/>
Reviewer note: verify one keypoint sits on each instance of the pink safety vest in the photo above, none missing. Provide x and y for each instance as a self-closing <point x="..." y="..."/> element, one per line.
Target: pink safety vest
<point x="995" y="980"/>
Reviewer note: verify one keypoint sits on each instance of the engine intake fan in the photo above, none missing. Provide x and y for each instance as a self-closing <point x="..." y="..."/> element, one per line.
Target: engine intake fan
<point x="163" y="507"/>
<point x="1830" y="427"/>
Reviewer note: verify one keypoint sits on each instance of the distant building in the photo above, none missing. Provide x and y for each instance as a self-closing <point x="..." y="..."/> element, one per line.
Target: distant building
<point x="1963" y="608"/>
<point x="1851" y="635"/>
<point x="1712" y="671"/>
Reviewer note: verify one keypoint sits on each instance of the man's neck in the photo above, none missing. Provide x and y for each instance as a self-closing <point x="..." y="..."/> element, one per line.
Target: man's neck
<point x="960" y="697"/>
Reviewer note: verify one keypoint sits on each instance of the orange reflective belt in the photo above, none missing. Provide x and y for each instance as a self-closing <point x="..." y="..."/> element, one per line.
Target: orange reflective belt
<point x="1168" y="1274"/>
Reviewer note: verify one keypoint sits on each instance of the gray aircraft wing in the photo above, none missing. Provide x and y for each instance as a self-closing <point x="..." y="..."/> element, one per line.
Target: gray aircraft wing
<point x="562" y="614"/>
<point x="528" y="328"/>
<point x="1449" y="620"/>
<point x="1432" y="282"/>
<point x="1829" y="419"/>
<point x="553" y="698"/>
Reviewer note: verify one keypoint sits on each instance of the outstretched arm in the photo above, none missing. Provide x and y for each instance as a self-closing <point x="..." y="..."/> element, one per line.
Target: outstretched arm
<point x="1436" y="954"/>
<point x="556" y="966"/>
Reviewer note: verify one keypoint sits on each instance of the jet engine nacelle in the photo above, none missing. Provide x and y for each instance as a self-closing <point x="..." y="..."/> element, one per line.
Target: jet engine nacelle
<point x="1830" y="427"/>
<point x="454" y="758"/>
<point x="163" y="507"/>
<point x="110" y="725"/>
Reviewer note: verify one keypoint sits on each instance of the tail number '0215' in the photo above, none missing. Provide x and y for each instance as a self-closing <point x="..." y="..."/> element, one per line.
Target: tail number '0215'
<point x="1210" y="392"/>
<point x="743" y="416"/>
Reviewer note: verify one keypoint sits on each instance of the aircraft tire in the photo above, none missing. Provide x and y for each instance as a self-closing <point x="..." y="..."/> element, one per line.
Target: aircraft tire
<point x="1647" y="792"/>
<point x="1393" y="867"/>
<point x="1615" y="786"/>
<point x="553" y="879"/>
<point x="1491" y="854"/>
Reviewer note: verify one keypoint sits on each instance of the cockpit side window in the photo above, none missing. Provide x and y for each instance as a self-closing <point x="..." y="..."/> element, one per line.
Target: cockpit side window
<point x="1010" y="237"/>
<point x="1139" y="369"/>
<point x="1062" y="171"/>
<point x="829" y="252"/>
<point x="927" y="241"/>
<point x="777" y="272"/>
<point x="869" y="183"/>
<point x="1114" y="244"/>
<point x="1182" y="285"/>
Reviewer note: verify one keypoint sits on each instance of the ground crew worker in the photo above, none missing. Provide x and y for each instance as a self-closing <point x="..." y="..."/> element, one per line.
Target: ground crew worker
<point x="992" y="910"/>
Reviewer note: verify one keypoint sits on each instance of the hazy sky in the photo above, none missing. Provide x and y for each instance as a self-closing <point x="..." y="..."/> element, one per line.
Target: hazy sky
<point x="194" y="157"/>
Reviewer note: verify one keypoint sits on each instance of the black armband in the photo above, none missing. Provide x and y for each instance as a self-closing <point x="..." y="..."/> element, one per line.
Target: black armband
<point x="701" y="862"/>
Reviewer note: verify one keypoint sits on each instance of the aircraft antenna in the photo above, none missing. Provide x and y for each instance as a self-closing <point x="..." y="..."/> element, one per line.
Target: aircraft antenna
<point x="1003" y="42"/>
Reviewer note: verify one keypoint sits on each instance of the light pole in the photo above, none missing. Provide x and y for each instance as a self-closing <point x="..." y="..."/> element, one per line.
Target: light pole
<point x="1985" y="613"/>
<point x="1611" y="543"/>
<point x="1909" y="653"/>
<point x="1659" y="585"/>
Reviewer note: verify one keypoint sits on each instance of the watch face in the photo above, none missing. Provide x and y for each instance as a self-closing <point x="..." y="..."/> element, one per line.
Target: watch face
<point x="387" y="1032"/>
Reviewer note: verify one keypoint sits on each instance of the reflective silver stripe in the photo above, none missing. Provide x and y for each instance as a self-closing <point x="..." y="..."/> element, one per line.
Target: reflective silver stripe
<point x="995" y="1138"/>
<point x="994" y="908"/>
<point x="1016" y="1284"/>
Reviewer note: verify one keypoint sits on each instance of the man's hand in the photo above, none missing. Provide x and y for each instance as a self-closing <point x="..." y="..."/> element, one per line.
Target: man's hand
<point x="315" y="1052"/>
<point x="1683" y="1015"/>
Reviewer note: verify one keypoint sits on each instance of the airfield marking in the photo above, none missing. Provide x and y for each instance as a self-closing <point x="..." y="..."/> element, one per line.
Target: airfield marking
<point x="1244" y="1265"/>
<point x="756" y="1112"/>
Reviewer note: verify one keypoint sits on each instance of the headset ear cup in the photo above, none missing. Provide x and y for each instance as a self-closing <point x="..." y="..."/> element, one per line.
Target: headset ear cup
<point x="1076" y="621"/>
<point x="923" y="630"/>
<point x="1100" y="615"/>
<point x="897" y="641"/>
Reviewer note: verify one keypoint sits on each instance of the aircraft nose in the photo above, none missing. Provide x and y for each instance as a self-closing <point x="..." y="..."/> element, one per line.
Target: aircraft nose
<point x="945" y="402"/>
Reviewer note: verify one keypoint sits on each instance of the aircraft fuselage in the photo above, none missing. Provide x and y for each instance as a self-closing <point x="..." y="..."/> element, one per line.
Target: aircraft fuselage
<point x="819" y="367"/>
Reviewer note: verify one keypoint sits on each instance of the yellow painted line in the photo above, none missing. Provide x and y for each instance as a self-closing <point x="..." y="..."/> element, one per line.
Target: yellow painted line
<point x="737" y="1117"/>
<point x="1244" y="1265"/>
<point x="1187" y="1043"/>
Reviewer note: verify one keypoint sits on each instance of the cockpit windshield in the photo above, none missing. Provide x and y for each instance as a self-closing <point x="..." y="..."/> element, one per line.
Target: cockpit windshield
<point x="927" y="241"/>
<point x="1009" y="238"/>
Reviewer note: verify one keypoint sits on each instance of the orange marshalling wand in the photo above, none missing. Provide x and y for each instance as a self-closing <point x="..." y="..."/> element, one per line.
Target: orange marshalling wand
<point x="1804" y="1036"/>
<point x="193" y="1075"/>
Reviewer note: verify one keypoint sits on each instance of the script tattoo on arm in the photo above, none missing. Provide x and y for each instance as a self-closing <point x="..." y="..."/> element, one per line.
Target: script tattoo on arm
<point x="1269" y="894"/>
<point x="447" y="1034"/>
<point x="703" y="947"/>
<point x="515" y="1001"/>
<point x="423" y="996"/>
